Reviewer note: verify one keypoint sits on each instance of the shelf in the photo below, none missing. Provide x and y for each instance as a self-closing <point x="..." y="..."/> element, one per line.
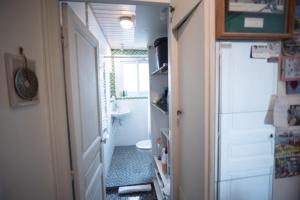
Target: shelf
<point x="157" y="189"/>
<point x="159" y="108"/>
<point x="165" y="178"/>
<point x="165" y="132"/>
<point x="162" y="70"/>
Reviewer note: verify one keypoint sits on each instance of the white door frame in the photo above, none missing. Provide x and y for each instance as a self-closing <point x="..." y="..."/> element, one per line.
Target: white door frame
<point x="57" y="106"/>
<point x="56" y="99"/>
<point x="210" y="101"/>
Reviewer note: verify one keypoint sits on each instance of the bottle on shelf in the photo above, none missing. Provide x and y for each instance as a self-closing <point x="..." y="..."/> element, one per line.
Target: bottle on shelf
<point x="164" y="161"/>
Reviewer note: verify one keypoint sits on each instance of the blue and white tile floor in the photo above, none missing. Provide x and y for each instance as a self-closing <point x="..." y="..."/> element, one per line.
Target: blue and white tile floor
<point x="129" y="166"/>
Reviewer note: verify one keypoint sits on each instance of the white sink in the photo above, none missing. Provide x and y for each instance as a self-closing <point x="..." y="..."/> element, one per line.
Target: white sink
<point x="120" y="113"/>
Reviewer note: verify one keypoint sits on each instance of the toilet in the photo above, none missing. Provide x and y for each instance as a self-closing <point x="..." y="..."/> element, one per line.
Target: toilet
<point x="144" y="145"/>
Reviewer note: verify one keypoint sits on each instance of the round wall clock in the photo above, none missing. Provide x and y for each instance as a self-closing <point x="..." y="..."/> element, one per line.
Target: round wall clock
<point x="26" y="83"/>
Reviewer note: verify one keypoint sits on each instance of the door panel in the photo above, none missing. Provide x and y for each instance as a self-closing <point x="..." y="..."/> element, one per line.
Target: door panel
<point x="246" y="144"/>
<point x="87" y="85"/>
<point x="80" y="56"/>
<point x="246" y="189"/>
<point x="182" y="10"/>
<point x="246" y="148"/>
<point x="191" y="102"/>
<point x="246" y="84"/>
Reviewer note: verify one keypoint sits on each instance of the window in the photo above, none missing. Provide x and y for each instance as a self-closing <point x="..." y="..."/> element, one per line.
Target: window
<point x="132" y="79"/>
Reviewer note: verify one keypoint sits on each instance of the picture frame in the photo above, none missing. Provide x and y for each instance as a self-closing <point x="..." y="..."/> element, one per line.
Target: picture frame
<point x="292" y="87"/>
<point x="287" y="153"/>
<point x="254" y="19"/>
<point x="294" y="115"/>
<point x="290" y="68"/>
<point x="297" y="18"/>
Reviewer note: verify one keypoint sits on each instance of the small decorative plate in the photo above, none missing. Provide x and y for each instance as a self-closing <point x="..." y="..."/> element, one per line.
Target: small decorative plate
<point x="26" y="83"/>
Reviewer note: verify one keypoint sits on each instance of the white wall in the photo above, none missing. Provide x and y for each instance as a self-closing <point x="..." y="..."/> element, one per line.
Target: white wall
<point x="134" y="126"/>
<point x="286" y="188"/>
<point x="104" y="69"/>
<point x="80" y="10"/>
<point x="25" y="156"/>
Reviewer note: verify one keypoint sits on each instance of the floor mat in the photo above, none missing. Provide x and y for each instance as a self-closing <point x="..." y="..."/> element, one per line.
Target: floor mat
<point x="112" y="194"/>
<point x="129" y="166"/>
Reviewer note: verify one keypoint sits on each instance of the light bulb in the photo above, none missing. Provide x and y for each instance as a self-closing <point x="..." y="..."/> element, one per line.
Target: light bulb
<point x="126" y="22"/>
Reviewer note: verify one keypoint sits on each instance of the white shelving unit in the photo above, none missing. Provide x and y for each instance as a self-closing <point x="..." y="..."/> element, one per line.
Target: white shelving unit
<point x="165" y="132"/>
<point x="159" y="128"/>
<point x="165" y="178"/>
<point x="159" y="108"/>
<point x="163" y="70"/>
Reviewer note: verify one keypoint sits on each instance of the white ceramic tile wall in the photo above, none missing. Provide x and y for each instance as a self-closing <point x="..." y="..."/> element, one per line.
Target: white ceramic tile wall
<point x="134" y="126"/>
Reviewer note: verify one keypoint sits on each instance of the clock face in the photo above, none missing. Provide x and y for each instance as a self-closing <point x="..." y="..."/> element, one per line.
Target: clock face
<point x="26" y="83"/>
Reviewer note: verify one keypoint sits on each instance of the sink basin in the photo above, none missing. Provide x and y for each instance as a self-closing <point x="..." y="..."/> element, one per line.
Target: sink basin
<point x="120" y="113"/>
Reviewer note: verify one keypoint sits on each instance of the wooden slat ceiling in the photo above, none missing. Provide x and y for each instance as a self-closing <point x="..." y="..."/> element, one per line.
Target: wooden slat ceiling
<point x="108" y="17"/>
<point x="150" y="23"/>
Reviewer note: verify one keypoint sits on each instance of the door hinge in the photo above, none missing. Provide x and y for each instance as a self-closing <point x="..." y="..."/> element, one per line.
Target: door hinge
<point x="171" y="9"/>
<point x="179" y="113"/>
<point x="72" y="174"/>
<point x="62" y="38"/>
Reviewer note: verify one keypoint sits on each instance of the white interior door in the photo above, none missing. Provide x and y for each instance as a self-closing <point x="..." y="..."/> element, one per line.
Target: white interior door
<point x="246" y="144"/>
<point x="191" y="103"/>
<point x="81" y="55"/>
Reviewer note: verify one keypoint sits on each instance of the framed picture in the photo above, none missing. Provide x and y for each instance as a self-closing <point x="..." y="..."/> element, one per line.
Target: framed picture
<point x="287" y="153"/>
<point x="290" y="68"/>
<point x="292" y="87"/>
<point x="257" y="6"/>
<point x="294" y="115"/>
<point x="291" y="47"/>
<point x="255" y="19"/>
<point x="297" y="18"/>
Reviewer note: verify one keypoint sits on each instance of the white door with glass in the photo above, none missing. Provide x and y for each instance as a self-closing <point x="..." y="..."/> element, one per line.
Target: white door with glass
<point x="81" y="74"/>
<point x="246" y="144"/>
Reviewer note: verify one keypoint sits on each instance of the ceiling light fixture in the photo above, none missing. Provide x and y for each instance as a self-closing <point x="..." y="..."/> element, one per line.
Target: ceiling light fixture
<point x="126" y="22"/>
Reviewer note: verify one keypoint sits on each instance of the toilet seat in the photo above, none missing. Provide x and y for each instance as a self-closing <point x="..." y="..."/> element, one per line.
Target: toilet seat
<point x="144" y="145"/>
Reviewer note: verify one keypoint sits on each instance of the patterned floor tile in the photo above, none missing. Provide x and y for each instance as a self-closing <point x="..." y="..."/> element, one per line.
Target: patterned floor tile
<point x="129" y="166"/>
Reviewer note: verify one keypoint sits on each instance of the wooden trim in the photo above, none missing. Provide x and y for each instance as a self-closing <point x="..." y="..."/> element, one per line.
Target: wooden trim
<point x="56" y="100"/>
<point x="210" y="98"/>
<point x="282" y="62"/>
<point x="220" y="16"/>
<point x="173" y="83"/>
<point x="291" y="17"/>
<point x="130" y="2"/>
<point x="220" y="25"/>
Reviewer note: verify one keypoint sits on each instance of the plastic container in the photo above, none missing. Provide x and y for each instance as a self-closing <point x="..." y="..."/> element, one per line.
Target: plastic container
<point x="164" y="161"/>
<point x="161" y="51"/>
